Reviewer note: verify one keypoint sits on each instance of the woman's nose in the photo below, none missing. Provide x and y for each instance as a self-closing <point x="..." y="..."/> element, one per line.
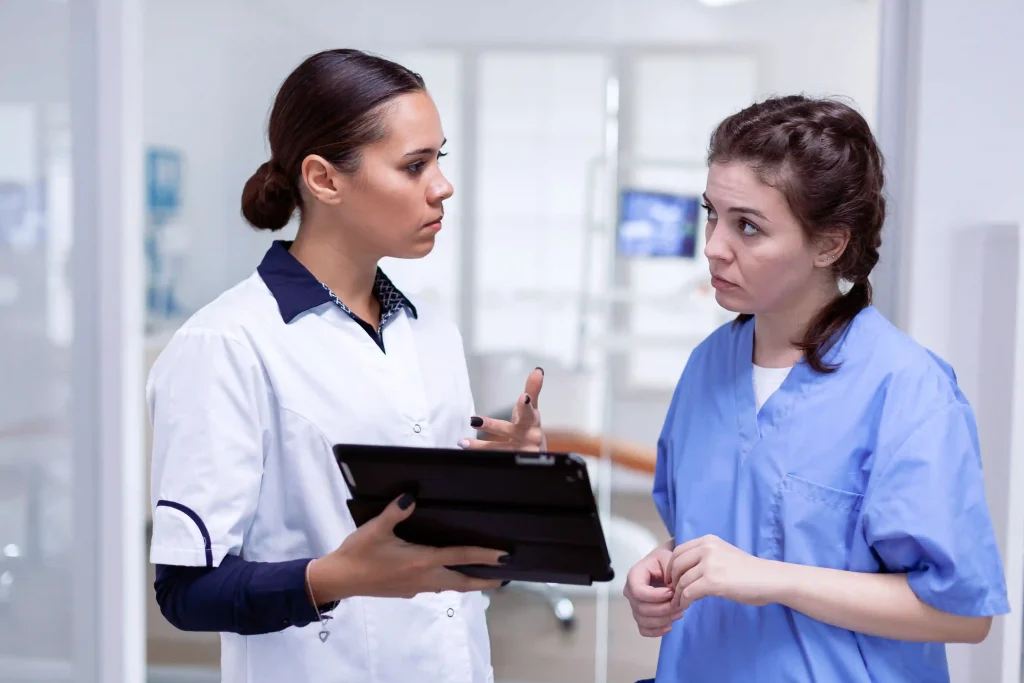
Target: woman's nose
<point x="716" y="247"/>
<point x="441" y="190"/>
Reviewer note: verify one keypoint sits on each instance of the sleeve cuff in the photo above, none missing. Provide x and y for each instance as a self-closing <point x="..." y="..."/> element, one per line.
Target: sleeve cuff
<point x="177" y="557"/>
<point x="987" y="603"/>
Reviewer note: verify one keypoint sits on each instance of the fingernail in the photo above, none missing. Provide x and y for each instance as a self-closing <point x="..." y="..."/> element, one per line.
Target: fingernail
<point x="541" y="369"/>
<point x="476" y="422"/>
<point x="463" y="443"/>
<point x="506" y="582"/>
<point x="405" y="501"/>
<point x="505" y="559"/>
<point x="527" y="399"/>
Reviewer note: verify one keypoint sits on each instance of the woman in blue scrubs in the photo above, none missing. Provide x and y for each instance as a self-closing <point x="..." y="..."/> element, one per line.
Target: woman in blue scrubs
<point x="819" y="471"/>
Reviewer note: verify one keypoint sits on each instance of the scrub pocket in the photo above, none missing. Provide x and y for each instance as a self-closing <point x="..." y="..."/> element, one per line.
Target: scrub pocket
<point x="813" y="524"/>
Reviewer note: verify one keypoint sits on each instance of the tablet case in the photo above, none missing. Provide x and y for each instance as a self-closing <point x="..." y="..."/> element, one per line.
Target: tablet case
<point x="538" y="507"/>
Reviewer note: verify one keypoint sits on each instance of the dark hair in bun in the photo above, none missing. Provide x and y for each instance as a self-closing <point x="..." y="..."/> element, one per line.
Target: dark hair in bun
<point x="330" y="106"/>
<point x="269" y="199"/>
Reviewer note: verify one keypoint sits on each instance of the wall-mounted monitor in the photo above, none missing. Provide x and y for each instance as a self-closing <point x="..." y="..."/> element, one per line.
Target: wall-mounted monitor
<point x="657" y="224"/>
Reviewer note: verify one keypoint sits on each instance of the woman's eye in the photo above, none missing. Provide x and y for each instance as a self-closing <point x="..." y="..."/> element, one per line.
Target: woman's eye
<point x="418" y="166"/>
<point x="748" y="229"/>
<point x="712" y="216"/>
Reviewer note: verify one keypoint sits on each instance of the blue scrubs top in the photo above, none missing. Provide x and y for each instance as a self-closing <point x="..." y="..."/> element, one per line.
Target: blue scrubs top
<point x="873" y="468"/>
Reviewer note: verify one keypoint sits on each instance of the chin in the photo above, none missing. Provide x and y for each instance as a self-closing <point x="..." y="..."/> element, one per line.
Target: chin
<point x="730" y="302"/>
<point x="417" y="250"/>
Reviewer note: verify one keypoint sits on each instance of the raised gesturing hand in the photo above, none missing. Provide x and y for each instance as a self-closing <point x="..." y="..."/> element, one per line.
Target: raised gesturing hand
<point x="523" y="432"/>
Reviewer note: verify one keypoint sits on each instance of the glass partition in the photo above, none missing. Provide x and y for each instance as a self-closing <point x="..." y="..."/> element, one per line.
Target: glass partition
<point x="37" y="526"/>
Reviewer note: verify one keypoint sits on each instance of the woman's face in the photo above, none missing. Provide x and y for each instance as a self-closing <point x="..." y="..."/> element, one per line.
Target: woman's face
<point x="761" y="261"/>
<point x="393" y="204"/>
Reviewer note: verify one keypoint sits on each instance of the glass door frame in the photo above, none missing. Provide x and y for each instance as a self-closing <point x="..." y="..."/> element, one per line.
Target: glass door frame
<point x="106" y="100"/>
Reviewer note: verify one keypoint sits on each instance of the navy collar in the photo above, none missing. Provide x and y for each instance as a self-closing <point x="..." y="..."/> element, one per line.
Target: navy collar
<point x="297" y="291"/>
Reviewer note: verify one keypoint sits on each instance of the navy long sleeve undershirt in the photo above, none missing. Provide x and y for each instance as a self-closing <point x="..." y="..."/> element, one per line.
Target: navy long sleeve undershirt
<point x="239" y="596"/>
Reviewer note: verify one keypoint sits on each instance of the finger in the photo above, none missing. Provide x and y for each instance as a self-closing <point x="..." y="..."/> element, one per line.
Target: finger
<point x="652" y="622"/>
<point x="395" y="513"/>
<point x="664" y="566"/>
<point x="661" y="610"/>
<point x="501" y="428"/>
<point x="655" y="633"/>
<point x="534" y="383"/>
<point x="642" y="591"/>
<point x="685" y="581"/>
<point x="698" y="590"/>
<point x="526" y="414"/>
<point x="682" y="603"/>
<point x="693" y="543"/>
<point x="465" y="555"/>
<point x="683" y="561"/>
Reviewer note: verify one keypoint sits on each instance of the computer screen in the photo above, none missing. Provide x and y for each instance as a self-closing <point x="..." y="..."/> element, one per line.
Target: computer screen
<point x="657" y="224"/>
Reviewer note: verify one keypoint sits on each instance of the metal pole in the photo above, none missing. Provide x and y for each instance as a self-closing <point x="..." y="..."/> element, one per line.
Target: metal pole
<point x="468" y="202"/>
<point x="607" y="368"/>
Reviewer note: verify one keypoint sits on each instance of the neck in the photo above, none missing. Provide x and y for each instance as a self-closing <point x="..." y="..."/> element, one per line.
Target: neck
<point x="776" y="333"/>
<point x="348" y="271"/>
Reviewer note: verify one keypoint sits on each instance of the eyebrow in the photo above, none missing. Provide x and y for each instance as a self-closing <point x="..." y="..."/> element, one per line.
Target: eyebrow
<point x="426" y="150"/>
<point x="739" y="209"/>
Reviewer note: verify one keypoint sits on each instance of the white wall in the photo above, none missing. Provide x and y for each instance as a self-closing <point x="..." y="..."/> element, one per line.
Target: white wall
<point x="839" y="35"/>
<point x="212" y="69"/>
<point x="968" y="167"/>
<point x="965" y="176"/>
<point x="36" y="33"/>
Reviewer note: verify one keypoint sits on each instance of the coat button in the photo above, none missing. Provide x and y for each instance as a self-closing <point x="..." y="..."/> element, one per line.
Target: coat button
<point x="416" y="428"/>
<point x="451" y="612"/>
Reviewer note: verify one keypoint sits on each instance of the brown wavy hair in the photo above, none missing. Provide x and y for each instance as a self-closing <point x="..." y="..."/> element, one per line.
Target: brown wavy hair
<point x="821" y="155"/>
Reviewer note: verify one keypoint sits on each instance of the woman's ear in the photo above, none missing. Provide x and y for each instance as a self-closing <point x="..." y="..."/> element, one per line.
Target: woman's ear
<point x="831" y="246"/>
<point x="322" y="179"/>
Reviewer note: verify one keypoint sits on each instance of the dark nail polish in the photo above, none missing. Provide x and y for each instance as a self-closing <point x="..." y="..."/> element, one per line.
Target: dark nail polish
<point x="541" y="369"/>
<point x="505" y="559"/>
<point x="506" y="582"/>
<point x="405" y="501"/>
<point x="476" y="422"/>
<point x="527" y="399"/>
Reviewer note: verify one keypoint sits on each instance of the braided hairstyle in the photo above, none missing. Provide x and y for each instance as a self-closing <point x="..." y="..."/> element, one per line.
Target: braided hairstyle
<point x="821" y="155"/>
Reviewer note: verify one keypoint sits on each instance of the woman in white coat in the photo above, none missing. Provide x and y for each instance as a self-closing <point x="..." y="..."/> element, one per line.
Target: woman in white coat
<point x="251" y="533"/>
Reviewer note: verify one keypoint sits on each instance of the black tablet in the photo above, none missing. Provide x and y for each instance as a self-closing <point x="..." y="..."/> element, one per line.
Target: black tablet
<point x="538" y="507"/>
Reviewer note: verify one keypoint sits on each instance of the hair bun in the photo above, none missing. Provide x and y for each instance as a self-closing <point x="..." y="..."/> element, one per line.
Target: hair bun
<point x="268" y="199"/>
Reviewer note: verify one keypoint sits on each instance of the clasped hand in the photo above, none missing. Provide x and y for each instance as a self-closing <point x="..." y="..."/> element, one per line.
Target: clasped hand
<point x="662" y="586"/>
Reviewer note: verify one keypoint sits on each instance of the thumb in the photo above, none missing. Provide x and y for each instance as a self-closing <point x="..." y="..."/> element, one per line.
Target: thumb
<point x="394" y="514"/>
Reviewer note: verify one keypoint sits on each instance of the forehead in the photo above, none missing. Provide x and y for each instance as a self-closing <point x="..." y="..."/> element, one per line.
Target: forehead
<point x="412" y="122"/>
<point x="736" y="184"/>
